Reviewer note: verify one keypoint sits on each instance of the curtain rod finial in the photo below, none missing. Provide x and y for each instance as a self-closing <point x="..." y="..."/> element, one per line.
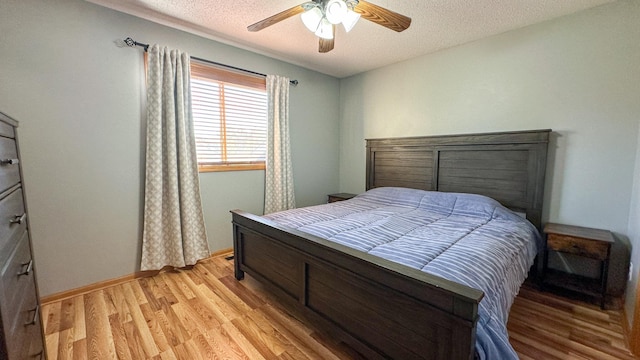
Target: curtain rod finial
<point x="130" y="42"/>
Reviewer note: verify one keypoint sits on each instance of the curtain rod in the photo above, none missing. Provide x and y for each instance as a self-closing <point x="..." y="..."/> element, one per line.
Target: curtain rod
<point x="132" y="43"/>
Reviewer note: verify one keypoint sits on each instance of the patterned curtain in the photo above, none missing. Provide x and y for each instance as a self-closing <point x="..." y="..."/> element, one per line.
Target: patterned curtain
<point x="278" y="192"/>
<point x="174" y="232"/>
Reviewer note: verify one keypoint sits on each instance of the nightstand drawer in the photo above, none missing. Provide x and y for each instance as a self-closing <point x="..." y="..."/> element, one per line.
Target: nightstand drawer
<point x="578" y="246"/>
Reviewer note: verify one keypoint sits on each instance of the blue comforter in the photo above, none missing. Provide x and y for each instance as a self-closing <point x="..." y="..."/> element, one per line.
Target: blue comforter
<point x="466" y="238"/>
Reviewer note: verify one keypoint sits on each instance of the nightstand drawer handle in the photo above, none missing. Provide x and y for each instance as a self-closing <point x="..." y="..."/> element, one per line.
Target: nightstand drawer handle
<point x="36" y="313"/>
<point x="29" y="268"/>
<point x="18" y="219"/>
<point x="9" y="161"/>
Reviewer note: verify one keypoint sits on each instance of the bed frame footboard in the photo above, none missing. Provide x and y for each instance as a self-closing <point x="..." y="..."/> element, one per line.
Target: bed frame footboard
<point x="380" y="308"/>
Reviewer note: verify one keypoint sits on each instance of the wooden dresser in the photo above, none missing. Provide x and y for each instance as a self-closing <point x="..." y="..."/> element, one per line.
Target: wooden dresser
<point x="21" y="335"/>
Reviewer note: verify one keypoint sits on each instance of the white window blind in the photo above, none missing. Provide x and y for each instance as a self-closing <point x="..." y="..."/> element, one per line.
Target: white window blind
<point x="230" y="118"/>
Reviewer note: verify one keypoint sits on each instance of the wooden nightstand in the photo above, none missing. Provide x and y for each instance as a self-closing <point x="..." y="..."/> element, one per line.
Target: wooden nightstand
<point x="590" y="243"/>
<point x="339" y="197"/>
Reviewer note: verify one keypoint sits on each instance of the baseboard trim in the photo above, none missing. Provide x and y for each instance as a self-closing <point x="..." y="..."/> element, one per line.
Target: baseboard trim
<point x="63" y="295"/>
<point x="95" y="286"/>
<point x="222" y="252"/>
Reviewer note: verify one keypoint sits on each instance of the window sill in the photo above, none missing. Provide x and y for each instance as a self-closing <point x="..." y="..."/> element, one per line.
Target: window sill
<point x="230" y="167"/>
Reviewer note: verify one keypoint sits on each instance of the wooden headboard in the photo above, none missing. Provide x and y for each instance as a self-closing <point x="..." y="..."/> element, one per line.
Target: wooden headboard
<point x="507" y="166"/>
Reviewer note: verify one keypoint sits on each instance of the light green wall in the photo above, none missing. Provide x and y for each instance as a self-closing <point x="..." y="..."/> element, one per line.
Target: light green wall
<point x="79" y="100"/>
<point x="578" y="75"/>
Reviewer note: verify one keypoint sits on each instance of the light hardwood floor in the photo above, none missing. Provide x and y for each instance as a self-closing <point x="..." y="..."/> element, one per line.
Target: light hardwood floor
<point x="204" y="313"/>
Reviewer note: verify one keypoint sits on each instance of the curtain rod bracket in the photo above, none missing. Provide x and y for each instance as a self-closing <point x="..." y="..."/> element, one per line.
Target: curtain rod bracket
<point x="132" y="43"/>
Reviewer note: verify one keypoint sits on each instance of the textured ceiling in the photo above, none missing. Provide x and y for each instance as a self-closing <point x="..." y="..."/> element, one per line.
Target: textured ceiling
<point x="436" y="24"/>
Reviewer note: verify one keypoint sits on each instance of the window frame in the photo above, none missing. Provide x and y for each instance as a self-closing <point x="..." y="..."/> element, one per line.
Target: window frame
<point x="208" y="72"/>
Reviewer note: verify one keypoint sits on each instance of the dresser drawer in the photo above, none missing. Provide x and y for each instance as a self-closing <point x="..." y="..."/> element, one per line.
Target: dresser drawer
<point x="33" y="349"/>
<point x="9" y="169"/>
<point x="574" y="245"/>
<point x="25" y="326"/>
<point x="17" y="276"/>
<point x="12" y="219"/>
<point x="6" y="130"/>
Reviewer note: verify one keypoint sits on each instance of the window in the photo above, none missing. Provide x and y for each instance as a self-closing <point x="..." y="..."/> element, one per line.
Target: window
<point x="230" y="118"/>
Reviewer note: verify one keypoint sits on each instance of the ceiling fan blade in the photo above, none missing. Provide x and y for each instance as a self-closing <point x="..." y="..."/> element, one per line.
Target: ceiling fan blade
<point x="382" y="16"/>
<point x="298" y="9"/>
<point x="326" y="45"/>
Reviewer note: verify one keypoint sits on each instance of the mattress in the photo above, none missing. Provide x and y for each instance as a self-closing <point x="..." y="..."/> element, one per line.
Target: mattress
<point x="466" y="238"/>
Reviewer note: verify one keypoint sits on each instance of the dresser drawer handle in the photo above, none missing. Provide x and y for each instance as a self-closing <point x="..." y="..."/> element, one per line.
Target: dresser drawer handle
<point x="9" y="161"/>
<point x="29" y="266"/>
<point x="36" y="313"/>
<point x="18" y="219"/>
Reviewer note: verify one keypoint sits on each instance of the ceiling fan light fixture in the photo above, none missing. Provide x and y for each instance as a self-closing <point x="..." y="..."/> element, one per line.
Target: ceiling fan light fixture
<point x="350" y="19"/>
<point x="312" y="18"/>
<point x="325" y="30"/>
<point x="322" y="16"/>
<point x="335" y="11"/>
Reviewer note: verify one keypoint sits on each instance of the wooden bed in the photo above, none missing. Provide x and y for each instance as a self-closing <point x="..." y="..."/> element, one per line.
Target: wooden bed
<point x="432" y="318"/>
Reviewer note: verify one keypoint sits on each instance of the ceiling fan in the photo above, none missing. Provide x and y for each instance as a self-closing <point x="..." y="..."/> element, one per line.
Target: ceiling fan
<point x="321" y="17"/>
